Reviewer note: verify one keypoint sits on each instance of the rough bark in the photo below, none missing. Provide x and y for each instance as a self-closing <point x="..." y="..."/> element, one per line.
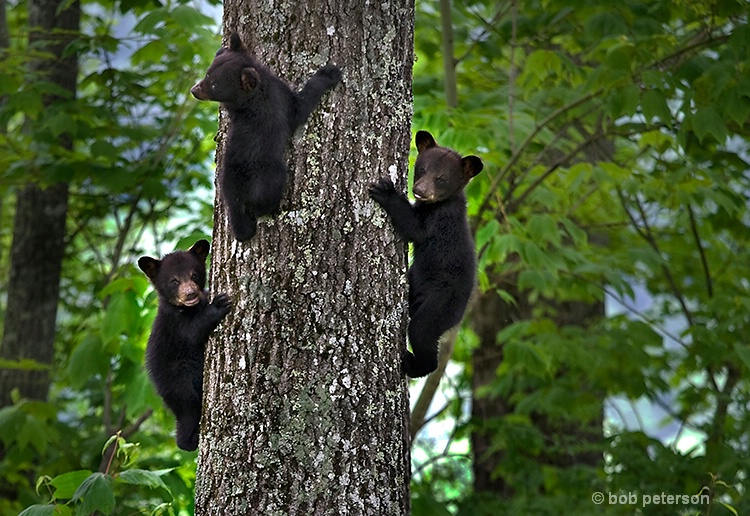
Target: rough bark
<point x="305" y="409"/>
<point x="39" y="228"/>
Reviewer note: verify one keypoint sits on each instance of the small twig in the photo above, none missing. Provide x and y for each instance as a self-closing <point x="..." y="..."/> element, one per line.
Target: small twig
<point x="701" y="252"/>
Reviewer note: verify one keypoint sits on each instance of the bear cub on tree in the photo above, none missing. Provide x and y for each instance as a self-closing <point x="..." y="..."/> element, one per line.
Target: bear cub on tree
<point x="441" y="276"/>
<point x="184" y="321"/>
<point x="263" y="113"/>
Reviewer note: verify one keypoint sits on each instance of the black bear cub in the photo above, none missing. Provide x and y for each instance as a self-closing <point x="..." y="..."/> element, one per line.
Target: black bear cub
<point x="184" y="321"/>
<point x="441" y="276"/>
<point x="263" y="113"/>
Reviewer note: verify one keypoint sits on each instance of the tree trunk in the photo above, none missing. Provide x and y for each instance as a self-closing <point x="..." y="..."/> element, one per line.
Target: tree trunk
<point x="305" y="409"/>
<point x="39" y="229"/>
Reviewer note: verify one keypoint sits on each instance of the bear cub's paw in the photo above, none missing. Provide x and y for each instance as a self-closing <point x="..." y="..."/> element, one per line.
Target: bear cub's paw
<point x="382" y="190"/>
<point x="409" y="364"/>
<point x="222" y="304"/>
<point x="330" y="72"/>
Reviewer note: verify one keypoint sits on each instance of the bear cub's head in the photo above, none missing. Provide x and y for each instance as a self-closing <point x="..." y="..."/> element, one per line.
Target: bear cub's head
<point x="232" y="77"/>
<point x="180" y="277"/>
<point x="440" y="172"/>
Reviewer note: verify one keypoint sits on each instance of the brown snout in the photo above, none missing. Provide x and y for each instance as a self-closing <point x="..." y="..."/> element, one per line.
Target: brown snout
<point x="198" y="92"/>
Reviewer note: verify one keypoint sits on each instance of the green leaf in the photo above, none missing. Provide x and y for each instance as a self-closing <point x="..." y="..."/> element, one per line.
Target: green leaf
<point x="575" y="232"/>
<point x="532" y="280"/>
<point x="86" y="360"/>
<point x="149" y="22"/>
<point x="604" y="24"/>
<point x="103" y="148"/>
<point x="95" y="494"/>
<point x="657" y="140"/>
<point x="486" y="232"/>
<point x="139" y="394"/>
<point x="59" y="123"/>
<point x="38" y="510"/>
<point x="743" y="352"/>
<point x="738" y="107"/>
<point x="33" y="432"/>
<point x="138" y="283"/>
<point x="121" y="316"/>
<point x="143" y="477"/>
<point x="707" y="122"/>
<point x="620" y="57"/>
<point x="624" y="101"/>
<point x="507" y="244"/>
<point x="11" y="419"/>
<point x="740" y="39"/>
<point x="513" y="332"/>
<point x="532" y="254"/>
<point x="654" y="105"/>
<point x="543" y="228"/>
<point x="66" y="484"/>
<point x="152" y="52"/>
<point x="540" y="64"/>
<point x="527" y="356"/>
<point x="189" y="18"/>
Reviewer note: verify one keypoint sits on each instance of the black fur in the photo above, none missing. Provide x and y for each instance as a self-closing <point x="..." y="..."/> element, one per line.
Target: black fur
<point x="443" y="269"/>
<point x="184" y="321"/>
<point x="263" y="113"/>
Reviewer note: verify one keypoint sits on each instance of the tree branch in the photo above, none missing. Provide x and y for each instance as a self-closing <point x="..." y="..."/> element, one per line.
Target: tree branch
<point x="512" y="72"/>
<point x="701" y="252"/>
<point x="527" y="141"/>
<point x="427" y="394"/>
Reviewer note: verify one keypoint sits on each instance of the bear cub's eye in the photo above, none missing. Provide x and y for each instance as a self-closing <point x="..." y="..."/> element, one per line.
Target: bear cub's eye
<point x="175" y="282"/>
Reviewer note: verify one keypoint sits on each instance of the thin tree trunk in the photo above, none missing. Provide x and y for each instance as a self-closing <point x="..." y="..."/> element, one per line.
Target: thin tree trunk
<point x="449" y="60"/>
<point x="4" y="44"/>
<point x="39" y="228"/>
<point x="306" y="409"/>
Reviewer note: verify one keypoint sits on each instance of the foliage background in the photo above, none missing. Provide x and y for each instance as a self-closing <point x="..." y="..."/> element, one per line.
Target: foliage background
<point x="615" y="139"/>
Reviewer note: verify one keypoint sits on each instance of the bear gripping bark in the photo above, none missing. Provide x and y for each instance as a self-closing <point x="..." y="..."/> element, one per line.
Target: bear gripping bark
<point x="442" y="274"/>
<point x="263" y="113"/>
<point x="184" y="321"/>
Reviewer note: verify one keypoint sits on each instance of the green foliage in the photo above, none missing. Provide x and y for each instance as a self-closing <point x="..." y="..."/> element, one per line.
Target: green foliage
<point x="85" y="492"/>
<point x="615" y="143"/>
<point x="140" y="175"/>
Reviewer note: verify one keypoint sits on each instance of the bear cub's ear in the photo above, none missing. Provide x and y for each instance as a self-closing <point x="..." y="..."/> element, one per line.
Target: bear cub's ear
<point x="199" y="249"/>
<point x="250" y="79"/>
<point x="235" y="43"/>
<point x="471" y="165"/>
<point x="150" y="266"/>
<point x="424" y="141"/>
